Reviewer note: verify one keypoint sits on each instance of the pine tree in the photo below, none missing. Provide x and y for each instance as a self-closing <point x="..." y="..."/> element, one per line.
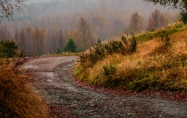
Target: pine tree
<point x="8" y="49"/>
<point x="70" y="46"/>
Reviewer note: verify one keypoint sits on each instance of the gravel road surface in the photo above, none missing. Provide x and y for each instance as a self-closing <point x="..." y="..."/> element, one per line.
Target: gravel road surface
<point x="52" y="79"/>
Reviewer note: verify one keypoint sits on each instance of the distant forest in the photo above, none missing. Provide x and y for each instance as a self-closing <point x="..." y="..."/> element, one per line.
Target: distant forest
<point x="44" y="27"/>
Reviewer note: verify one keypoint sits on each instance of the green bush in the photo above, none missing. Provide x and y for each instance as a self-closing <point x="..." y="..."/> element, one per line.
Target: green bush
<point x="109" y="70"/>
<point x="7" y="49"/>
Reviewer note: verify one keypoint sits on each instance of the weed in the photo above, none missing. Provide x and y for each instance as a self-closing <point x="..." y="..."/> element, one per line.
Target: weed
<point x="76" y="70"/>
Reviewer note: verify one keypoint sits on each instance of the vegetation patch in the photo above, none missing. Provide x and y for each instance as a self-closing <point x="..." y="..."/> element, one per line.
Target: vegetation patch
<point x="161" y="33"/>
<point x="159" y="65"/>
<point x="17" y="98"/>
<point x="100" y="51"/>
<point x="61" y="54"/>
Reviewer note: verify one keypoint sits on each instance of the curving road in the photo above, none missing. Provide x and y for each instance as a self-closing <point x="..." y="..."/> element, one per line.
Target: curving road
<point x="66" y="99"/>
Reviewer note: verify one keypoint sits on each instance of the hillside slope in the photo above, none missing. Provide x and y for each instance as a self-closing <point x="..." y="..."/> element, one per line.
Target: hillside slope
<point x="159" y="63"/>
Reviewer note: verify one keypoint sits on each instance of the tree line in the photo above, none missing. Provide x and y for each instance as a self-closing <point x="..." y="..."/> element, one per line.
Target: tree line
<point x="47" y="27"/>
<point x="39" y="41"/>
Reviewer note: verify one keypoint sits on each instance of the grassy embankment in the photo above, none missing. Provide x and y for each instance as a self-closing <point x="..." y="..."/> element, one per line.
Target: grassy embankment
<point x="17" y="98"/>
<point x="158" y="64"/>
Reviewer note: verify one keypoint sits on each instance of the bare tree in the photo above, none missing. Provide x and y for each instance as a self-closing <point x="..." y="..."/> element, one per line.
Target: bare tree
<point x="156" y="21"/>
<point x="7" y="7"/>
<point x="136" y="23"/>
<point x="85" y="33"/>
<point x="38" y="42"/>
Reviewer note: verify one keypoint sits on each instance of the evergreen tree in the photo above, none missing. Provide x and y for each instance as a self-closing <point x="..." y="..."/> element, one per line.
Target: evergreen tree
<point x="70" y="46"/>
<point x="7" y="49"/>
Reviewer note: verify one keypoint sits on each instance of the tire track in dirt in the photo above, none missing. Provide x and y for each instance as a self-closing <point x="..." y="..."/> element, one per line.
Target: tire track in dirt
<point x="67" y="99"/>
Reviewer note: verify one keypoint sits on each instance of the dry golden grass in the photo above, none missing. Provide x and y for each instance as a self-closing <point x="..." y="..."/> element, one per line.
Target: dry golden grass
<point x="179" y="43"/>
<point x="154" y="66"/>
<point x="17" y="99"/>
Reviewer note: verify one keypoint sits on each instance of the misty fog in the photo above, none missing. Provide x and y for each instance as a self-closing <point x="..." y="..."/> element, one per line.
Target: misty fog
<point x="106" y="19"/>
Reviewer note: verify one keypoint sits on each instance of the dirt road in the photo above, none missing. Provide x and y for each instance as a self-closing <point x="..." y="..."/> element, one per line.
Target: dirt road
<point x="67" y="99"/>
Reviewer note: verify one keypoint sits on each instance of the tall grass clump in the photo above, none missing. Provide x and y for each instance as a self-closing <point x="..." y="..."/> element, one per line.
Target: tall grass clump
<point x="17" y="99"/>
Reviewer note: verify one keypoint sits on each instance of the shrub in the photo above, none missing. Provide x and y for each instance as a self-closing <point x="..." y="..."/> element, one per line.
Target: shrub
<point x="58" y="50"/>
<point x="133" y="44"/>
<point x="16" y="96"/>
<point x="98" y="52"/>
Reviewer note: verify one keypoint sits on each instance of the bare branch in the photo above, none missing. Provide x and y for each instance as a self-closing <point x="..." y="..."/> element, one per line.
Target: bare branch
<point x="7" y="7"/>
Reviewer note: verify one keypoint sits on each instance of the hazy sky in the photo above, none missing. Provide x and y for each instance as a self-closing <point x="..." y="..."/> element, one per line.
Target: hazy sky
<point x="34" y="1"/>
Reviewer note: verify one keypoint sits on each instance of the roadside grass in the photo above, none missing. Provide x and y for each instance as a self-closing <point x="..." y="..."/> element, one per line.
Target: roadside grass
<point x="17" y="98"/>
<point x="156" y="65"/>
<point x="62" y="54"/>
